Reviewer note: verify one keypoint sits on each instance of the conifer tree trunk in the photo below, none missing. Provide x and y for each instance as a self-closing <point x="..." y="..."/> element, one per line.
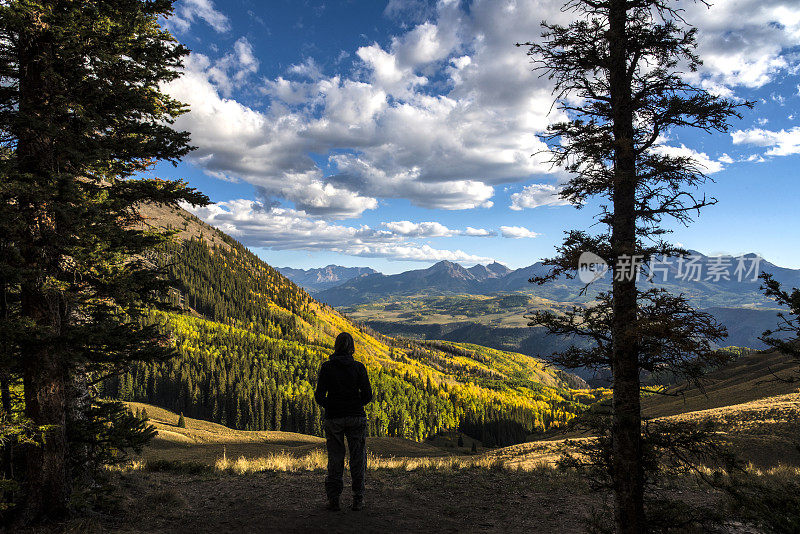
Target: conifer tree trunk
<point x="44" y="372"/>
<point x="626" y="425"/>
<point x="621" y="59"/>
<point x="5" y="386"/>
<point x="47" y="486"/>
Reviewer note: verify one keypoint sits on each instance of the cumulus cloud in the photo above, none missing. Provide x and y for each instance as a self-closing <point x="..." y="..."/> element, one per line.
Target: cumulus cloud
<point x="478" y="232"/>
<point x="781" y="143"/>
<point x="226" y="73"/>
<point x="744" y="50"/>
<point x="536" y="195"/>
<point x="308" y="69"/>
<point x="442" y="115"/>
<point x="259" y="225"/>
<point x="517" y="232"/>
<point x="432" y="229"/>
<point x="422" y="229"/>
<point x="238" y="142"/>
<point x="386" y="134"/>
<point x="707" y="164"/>
<point x="383" y="137"/>
<point x="187" y="12"/>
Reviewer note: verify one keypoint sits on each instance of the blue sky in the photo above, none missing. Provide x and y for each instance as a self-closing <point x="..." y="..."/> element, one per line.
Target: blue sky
<point x="396" y="134"/>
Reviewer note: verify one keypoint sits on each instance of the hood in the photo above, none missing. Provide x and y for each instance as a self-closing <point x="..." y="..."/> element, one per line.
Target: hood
<point x="342" y="358"/>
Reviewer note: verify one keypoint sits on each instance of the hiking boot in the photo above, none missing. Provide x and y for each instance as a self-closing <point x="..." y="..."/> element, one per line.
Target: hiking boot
<point x="333" y="505"/>
<point x="358" y="503"/>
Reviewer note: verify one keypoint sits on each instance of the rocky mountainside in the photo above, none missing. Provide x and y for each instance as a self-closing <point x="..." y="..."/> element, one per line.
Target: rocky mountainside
<point x="709" y="281"/>
<point x="313" y="280"/>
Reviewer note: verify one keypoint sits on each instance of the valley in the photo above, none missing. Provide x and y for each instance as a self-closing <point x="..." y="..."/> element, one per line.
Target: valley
<point x="450" y="302"/>
<point x="249" y="344"/>
<point x="466" y="419"/>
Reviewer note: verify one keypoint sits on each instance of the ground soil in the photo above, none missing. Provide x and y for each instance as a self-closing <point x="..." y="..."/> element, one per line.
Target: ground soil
<point x="397" y="501"/>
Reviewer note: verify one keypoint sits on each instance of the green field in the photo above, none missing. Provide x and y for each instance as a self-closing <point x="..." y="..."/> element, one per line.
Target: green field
<point x="495" y="310"/>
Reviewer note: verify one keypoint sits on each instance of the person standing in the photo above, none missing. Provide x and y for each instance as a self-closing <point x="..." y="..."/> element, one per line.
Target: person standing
<point x="343" y="389"/>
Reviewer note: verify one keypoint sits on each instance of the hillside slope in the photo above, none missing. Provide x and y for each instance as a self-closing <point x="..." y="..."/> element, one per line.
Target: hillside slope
<point x="205" y="442"/>
<point x="749" y="378"/>
<point x="250" y="342"/>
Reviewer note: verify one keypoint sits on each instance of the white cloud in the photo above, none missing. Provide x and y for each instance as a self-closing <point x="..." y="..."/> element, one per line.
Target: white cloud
<point x="781" y="143"/>
<point x="228" y="72"/>
<point x="703" y="160"/>
<point x="517" y="232"/>
<point x="478" y="232"/>
<point x="187" y="12"/>
<point x="308" y="69"/>
<point x="442" y="115"/>
<point x="382" y="137"/>
<point x="257" y="225"/>
<point x="267" y="151"/>
<point x="246" y="61"/>
<point x="747" y="50"/>
<point x="422" y="229"/>
<point x="535" y="195"/>
<point x="386" y="72"/>
<point x="432" y="229"/>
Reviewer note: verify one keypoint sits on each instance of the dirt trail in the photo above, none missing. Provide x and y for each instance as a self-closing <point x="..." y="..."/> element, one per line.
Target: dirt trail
<point x="397" y="501"/>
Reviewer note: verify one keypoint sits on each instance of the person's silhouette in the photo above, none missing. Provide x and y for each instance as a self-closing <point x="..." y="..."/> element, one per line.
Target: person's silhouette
<point x="343" y="389"/>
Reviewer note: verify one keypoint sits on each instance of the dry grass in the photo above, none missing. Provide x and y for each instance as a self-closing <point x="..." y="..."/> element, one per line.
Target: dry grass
<point x="526" y="457"/>
<point x="281" y="461"/>
<point x="779" y="472"/>
<point x="317" y="460"/>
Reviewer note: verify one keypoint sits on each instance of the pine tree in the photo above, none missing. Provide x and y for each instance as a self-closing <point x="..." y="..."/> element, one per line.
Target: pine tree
<point x="788" y="321"/>
<point x="616" y="75"/>
<point x="144" y="416"/>
<point x="181" y="421"/>
<point x="82" y="114"/>
<point x="460" y="440"/>
<point x="474" y="447"/>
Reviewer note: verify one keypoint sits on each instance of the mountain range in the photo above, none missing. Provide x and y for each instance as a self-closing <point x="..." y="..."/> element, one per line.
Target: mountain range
<point x="708" y="289"/>
<point x="313" y="280"/>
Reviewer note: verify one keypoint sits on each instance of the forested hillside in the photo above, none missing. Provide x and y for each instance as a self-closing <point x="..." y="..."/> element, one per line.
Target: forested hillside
<point x="249" y="343"/>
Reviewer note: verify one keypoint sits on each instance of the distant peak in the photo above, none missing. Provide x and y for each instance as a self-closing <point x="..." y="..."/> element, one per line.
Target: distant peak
<point x="445" y="264"/>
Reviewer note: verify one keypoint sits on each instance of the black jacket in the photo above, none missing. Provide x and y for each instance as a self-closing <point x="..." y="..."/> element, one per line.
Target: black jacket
<point x="343" y="387"/>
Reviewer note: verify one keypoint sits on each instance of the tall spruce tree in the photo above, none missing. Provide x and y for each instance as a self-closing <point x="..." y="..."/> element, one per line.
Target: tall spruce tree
<point x="619" y="74"/>
<point x="785" y="337"/>
<point x="82" y="113"/>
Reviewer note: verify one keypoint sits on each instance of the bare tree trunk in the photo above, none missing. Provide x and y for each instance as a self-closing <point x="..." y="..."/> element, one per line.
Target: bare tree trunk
<point x="628" y="479"/>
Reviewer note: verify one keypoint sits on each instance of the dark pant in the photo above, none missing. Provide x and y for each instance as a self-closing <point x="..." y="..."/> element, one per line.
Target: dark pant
<point x="355" y="428"/>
